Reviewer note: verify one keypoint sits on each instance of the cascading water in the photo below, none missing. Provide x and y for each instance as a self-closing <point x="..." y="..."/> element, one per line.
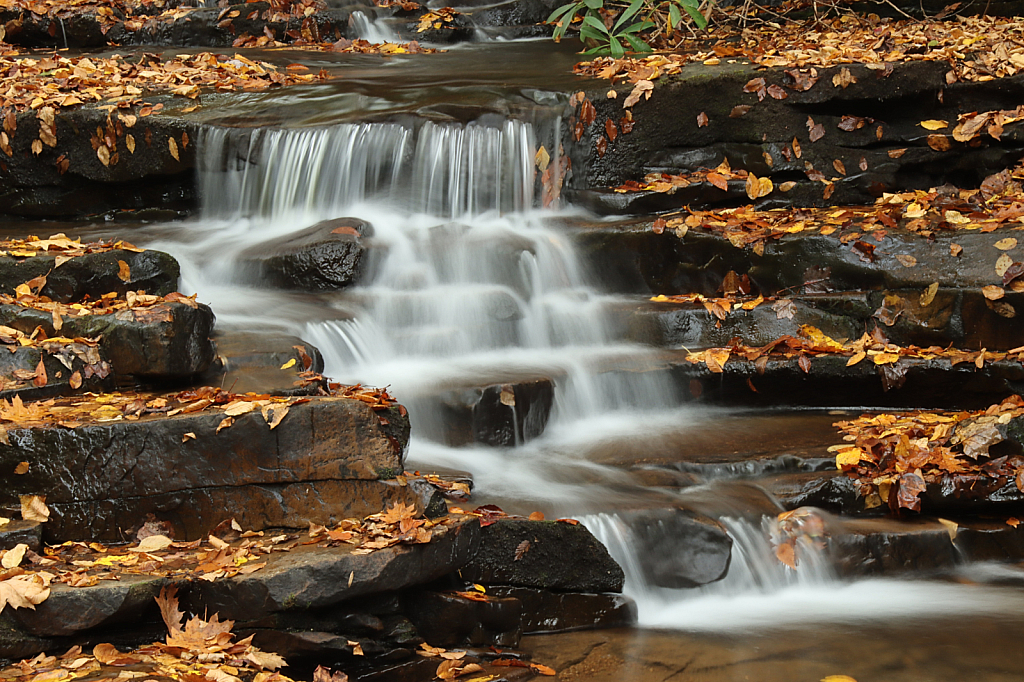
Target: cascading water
<point x="373" y="30"/>
<point x="471" y="287"/>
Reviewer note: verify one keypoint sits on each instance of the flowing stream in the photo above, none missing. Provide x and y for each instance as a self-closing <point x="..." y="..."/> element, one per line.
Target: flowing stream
<point x="472" y="285"/>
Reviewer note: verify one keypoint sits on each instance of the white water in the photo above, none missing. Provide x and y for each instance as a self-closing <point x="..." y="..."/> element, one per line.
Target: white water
<point x="476" y="288"/>
<point x="373" y="30"/>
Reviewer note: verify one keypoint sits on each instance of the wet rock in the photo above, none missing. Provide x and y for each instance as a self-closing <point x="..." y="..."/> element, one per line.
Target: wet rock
<point x="325" y="257"/>
<point x="58" y="375"/>
<point x="552" y="555"/>
<point x="69" y="610"/>
<point x="450" y="619"/>
<point x="505" y="414"/>
<point x="829" y="382"/>
<point x="324" y="439"/>
<point x="16" y="644"/>
<point x="881" y="546"/>
<point x="93" y="274"/>
<point x="679" y="548"/>
<point x="310" y="578"/>
<point x="547" y="611"/>
<point x="32" y="186"/>
<point x="666" y="138"/>
<point x="192" y="26"/>
<point x="252" y="361"/>
<point x="17" y="531"/>
<point x="192" y="513"/>
<point x="171" y="341"/>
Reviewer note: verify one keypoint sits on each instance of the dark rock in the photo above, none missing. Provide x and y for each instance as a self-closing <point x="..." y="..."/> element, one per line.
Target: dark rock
<point x="555" y="556"/>
<point x="193" y="513"/>
<point x="880" y="546"/>
<point x="93" y="274"/>
<point x="171" y="341"/>
<point x="251" y="361"/>
<point x="829" y="382"/>
<point x="310" y="578"/>
<point x="15" y="643"/>
<point x="69" y="610"/>
<point x="32" y="186"/>
<point x="325" y="257"/>
<point x="58" y="375"/>
<point x="324" y="439"/>
<point x="666" y="137"/>
<point x="547" y="611"/>
<point x="506" y="414"/>
<point x="679" y="549"/>
<point x="18" y="531"/>
<point x="449" y="619"/>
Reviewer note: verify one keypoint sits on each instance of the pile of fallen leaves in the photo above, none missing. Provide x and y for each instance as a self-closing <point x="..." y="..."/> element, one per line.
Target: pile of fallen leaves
<point x="812" y="343"/>
<point x="73" y="411"/>
<point x="57" y="81"/>
<point x="997" y="203"/>
<point x="198" y="650"/>
<point x="59" y="244"/>
<point x="226" y="552"/>
<point x="64" y="349"/>
<point x="895" y="456"/>
<point x="976" y="49"/>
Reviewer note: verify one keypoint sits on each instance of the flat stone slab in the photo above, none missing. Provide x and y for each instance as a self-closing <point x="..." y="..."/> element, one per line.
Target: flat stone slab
<point x="311" y="578"/>
<point x="98" y="467"/>
<point x="551" y="555"/>
<point x="502" y="414"/>
<point x="633" y="258"/>
<point x="18" y="531"/>
<point x="192" y="513"/>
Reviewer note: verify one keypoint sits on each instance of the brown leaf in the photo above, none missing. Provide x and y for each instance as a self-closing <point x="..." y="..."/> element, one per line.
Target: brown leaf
<point x="775" y="92"/>
<point x="896" y="153"/>
<point x="786" y="553"/>
<point x="322" y="674"/>
<point x="939" y="143"/>
<point x="75" y="381"/>
<point x="274" y="414"/>
<point x="816" y="130"/>
<point x="124" y="273"/>
<point x="610" y="129"/>
<point x="522" y="549"/>
<point x="702" y="119"/>
<point x="955" y="250"/>
<point x="173" y="147"/>
<point x="739" y="110"/>
<point x="805" y="363"/>
<point x="929" y="294"/>
<point x="33" y="508"/>
<point x="536" y="516"/>
<point x="796" y="148"/>
<point x="838" y="165"/>
<point x="992" y="292"/>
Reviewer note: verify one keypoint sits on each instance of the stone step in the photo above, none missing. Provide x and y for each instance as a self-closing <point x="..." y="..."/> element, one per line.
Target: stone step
<point x="100" y="467"/>
<point x="253" y="361"/>
<point x="633" y="258"/>
<point x="665" y="135"/>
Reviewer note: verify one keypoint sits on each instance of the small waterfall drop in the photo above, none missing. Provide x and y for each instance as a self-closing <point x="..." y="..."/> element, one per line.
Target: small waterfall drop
<point x="444" y="170"/>
<point x="373" y="30"/>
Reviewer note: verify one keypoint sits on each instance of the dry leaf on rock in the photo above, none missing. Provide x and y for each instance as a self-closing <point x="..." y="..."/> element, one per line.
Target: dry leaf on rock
<point x="33" y="508"/>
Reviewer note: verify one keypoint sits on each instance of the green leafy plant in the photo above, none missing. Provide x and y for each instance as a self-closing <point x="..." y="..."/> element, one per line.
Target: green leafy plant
<point x="632" y="23"/>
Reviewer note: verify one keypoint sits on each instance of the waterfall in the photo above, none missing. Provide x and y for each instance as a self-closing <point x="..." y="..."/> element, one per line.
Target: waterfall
<point x="446" y="170"/>
<point x="373" y="30"/>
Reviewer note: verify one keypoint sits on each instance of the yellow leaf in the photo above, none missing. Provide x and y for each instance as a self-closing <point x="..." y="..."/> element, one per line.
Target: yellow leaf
<point x="838" y="678"/>
<point x="129" y="141"/>
<point x="933" y="124"/>
<point x="21" y="468"/>
<point x="124" y="273"/>
<point x="848" y="458"/>
<point x="950" y="527"/>
<point x="152" y="543"/>
<point x="914" y="210"/>
<point x="886" y="358"/>
<point x="1005" y="244"/>
<point x="13" y="557"/>
<point x="857" y="357"/>
<point x="173" y="146"/>
<point x="1003" y="264"/>
<point x="992" y="292"/>
<point x="103" y="154"/>
<point x="956" y="218"/>
<point x="289" y="364"/>
<point x="929" y="294"/>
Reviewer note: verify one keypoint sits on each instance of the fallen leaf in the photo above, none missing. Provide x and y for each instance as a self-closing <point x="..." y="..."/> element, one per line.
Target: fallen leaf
<point x="173" y="147"/>
<point x="906" y="260"/>
<point x="955" y="250"/>
<point x="1003" y="264"/>
<point x="13" y="557"/>
<point x="939" y="143"/>
<point x="33" y="508"/>
<point x="21" y="468"/>
<point x="274" y="414"/>
<point x="933" y="124"/>
<point x="951" y="528"/>
<point x="1005" y="244"/>
<point x="288" y="365"/>
<point x="153" y="543"/>
<point x="702" y="119"/>
<point x="929" y="294"/>
<point x="124" y="273"/>
<point x="992" y="292"/>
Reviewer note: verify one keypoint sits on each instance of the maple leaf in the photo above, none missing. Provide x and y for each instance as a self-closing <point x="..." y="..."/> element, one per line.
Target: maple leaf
<point x="398" y="512"/>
